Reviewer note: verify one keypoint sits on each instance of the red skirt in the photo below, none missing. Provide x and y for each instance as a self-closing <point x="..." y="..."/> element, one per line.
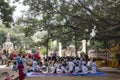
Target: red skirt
<point x="21" y="75"/>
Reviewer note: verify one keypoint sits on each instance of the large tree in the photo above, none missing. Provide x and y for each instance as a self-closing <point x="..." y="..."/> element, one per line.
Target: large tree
<point x="6" y="12"/>
<point x="79" y="15"/>
<point x="66" y="20"/>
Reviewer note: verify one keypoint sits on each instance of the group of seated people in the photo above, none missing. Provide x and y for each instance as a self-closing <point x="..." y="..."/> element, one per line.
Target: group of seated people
<point x="64" y="65"/>
<point x="60" y="65"/>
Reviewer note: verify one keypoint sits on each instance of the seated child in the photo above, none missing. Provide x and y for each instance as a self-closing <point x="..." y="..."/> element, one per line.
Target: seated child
<point x="56" y="67"/>
<point x="93" y="67"/>
<point x="84" y="69"/>
<point x="63" y="69"/>
<point x="14" y="68"/>
<point x="77" y="69"/>
<point x="34" y="65"/>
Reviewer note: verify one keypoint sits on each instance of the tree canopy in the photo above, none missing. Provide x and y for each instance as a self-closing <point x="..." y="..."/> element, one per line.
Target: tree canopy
<point x="72" y="17"/>
<point x="6" y="12"/>
<point x="67" y="20"/>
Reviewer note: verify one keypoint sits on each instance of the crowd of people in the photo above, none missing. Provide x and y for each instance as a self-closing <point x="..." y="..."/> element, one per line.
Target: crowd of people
<point x="54" y="64"/>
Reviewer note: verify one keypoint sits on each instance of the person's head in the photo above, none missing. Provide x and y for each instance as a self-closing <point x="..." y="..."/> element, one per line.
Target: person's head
<point x="34" y="59"/>
<point x="93" y="60"/>
<point x="15" y="63"/>
<point x="46" y="60"/>
<point x="83" y="59"/>
<point x="38" y="63"/>
<point x="23" y="56"/>
<point x="84" y="64"/>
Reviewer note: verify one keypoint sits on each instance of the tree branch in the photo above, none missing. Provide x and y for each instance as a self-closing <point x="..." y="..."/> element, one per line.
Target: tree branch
<point x="113" y="28"/>
<point x="109" y="21"/>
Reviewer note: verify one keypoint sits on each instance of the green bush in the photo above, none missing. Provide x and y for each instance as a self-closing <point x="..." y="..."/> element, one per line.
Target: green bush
<point x="43" y="51"/>
<point x="82" y="54"/>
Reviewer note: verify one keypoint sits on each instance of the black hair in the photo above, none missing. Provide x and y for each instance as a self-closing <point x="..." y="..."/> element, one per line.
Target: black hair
<point x="15" y="63"/>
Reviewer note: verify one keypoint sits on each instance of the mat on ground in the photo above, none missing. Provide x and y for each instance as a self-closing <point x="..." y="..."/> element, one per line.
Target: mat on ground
<point x="35" y="74"/>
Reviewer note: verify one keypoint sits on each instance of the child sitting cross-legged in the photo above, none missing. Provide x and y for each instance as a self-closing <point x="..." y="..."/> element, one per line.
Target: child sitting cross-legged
<point x="14" y="68"/>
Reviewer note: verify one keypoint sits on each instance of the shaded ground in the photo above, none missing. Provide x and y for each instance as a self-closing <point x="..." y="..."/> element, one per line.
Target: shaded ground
<point x="5" y="71"/>
<point x="112" y="76"/>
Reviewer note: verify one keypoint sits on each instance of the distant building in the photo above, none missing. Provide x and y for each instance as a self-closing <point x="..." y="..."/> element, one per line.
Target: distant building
<point x="98" y="54"/>
<point x="8" y="45"/>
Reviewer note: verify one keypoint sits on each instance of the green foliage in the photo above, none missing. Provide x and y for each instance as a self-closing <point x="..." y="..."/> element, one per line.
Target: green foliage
<point x="105" y="44"/>
<point x="66" y="20"/>
<point x="6" y="13"/>
<point x="17" y="37"/>
<point x="3" y="33"/>
<point x="55" y="46"/>
<point x="82" y="55"/>
<point x="23" y="51"/>
<point x="63" y="16"/>
<point x="2" y="36"/>
<point x="43" y="51"/>
<point x="28" y="31"/>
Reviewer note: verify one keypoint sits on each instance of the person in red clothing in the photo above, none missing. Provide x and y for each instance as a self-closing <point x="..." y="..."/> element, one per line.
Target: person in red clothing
<point x="29" y="55"/>
<point x="36" y="56"/>
<point x="21" y="73"/>
<point x="8" y="77"/>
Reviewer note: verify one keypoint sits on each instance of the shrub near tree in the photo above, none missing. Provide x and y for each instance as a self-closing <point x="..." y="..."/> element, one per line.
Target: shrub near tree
<point x="43" y="51"/>
<point x="82" y="54"/>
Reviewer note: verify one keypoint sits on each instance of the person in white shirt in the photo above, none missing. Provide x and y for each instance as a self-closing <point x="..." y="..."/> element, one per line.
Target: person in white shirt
<point x="34" y="65"/>
<point x="84" y="69"/>
<point x="70" y="66"/>
<point x="77" y="69"/>
<point x="64" y="67"/>
<point x="56" y="67"/>
<point x="83" y="61"/>
<point x="93" y="67"/>
<point x="89" y="64"/>
<point x="80" y="64"/>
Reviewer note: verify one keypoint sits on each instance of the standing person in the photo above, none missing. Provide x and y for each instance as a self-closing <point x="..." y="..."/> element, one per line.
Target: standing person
<point x="15" y="66"/>
<point x="24" y="60"/>
<point x="4" y="51"/>
<point x="21" y="73"/>
<point x="36" y="56"/>
<point x="18" y="59"/>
